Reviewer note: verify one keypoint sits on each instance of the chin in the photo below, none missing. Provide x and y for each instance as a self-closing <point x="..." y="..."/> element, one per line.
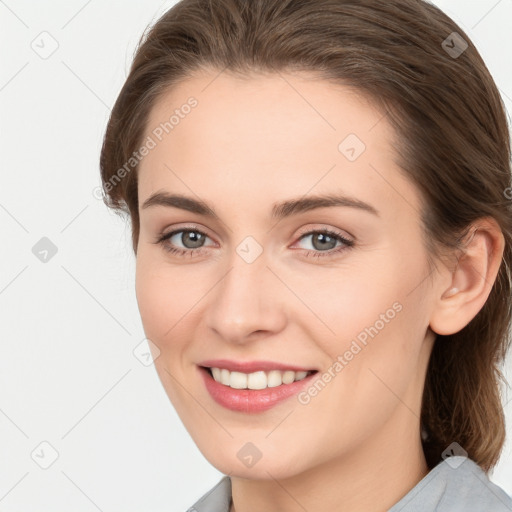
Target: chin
<point x="245" y="460"/>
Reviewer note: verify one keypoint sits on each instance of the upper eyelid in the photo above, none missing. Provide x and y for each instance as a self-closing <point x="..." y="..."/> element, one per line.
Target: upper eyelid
<point x="186" y="228"/>
<point x="338" y="232"/>
<point x="302" y="231"/>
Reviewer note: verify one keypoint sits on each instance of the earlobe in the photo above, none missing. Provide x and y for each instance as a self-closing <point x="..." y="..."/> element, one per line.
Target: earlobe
<point x="471" y="281"/>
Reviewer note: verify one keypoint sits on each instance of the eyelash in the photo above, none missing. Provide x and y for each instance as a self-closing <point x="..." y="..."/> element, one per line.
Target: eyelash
<point x="348" y="244"/>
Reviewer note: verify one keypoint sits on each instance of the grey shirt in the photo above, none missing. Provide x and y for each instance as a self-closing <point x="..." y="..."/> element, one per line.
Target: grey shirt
<point x="457" y="484"/>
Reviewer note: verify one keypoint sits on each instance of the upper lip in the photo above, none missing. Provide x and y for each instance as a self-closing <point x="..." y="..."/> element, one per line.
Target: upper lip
<point x="252" y="366"/>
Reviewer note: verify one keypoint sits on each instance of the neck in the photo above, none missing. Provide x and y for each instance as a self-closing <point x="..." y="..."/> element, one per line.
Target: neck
<point x="371" y="479"/>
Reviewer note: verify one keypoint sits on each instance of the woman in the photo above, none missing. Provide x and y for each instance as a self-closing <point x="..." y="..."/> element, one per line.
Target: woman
<point x="318" y="192"/>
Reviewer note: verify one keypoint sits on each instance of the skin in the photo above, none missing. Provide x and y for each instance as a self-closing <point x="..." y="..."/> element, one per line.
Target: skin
<point x="248" y="144"/>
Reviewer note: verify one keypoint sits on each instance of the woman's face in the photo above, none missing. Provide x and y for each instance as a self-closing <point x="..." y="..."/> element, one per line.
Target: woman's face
<point x="261" y="273"/>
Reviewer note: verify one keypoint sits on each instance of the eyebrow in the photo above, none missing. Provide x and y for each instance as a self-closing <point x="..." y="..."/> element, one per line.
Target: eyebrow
<point x="279" y="210"/>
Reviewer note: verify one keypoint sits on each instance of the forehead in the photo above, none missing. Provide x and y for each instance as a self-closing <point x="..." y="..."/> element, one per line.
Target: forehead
<point x="270" y="136"/>
<point x="282" y="107"/>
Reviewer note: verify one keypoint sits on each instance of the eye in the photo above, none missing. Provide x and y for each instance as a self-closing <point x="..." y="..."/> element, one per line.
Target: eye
<point x="324" y="243"/>
<point x="191" y="240"/>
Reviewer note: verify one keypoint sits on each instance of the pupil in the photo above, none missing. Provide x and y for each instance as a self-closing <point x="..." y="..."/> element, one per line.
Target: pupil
<point x="324" y="239"/>
<point x="193" y="238"/>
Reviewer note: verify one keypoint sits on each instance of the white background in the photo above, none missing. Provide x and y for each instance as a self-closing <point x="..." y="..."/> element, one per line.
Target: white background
<point x="68" y="327"/>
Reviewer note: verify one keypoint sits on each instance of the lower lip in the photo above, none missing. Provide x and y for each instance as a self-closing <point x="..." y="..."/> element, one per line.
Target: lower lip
<point x="251" y="400"/>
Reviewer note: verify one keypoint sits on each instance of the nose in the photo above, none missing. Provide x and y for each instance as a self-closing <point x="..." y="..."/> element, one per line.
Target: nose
<point x="247" y="303"/>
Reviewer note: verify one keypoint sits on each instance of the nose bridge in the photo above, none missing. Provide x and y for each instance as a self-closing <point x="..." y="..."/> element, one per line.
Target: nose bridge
<point x="245" y="300"/>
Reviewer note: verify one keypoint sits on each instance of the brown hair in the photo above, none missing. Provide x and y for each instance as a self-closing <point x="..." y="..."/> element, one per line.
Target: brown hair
<point x="453" y="145"/>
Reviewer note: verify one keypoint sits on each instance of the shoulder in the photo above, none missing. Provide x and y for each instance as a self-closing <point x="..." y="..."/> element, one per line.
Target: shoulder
<point x="457" y="484"/>
<point x="217" y="499"/>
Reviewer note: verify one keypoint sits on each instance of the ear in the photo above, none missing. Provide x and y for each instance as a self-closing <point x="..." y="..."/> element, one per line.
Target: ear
<point x="470" y="283"/>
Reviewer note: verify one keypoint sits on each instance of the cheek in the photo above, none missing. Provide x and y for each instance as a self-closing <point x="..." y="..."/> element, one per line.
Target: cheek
<point x="385" y="369"/>
<point x="376" y="328"/>
<point x="344" y="304"/>
<point x="170" y="300"/>
<point x="161" y="297"/>
<point x="151" y="300"/>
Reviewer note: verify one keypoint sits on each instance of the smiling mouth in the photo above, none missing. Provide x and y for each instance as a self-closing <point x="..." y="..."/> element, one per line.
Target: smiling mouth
<point x="256" y="380"/>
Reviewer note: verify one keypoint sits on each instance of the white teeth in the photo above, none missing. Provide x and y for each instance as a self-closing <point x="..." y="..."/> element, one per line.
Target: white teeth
<point x="288" y="377"/>
<point x="216" y="374"/>
<point x="256" y="380"/>
<point x="238" y="380"/>
<point x="224" y="377"/>
<point x="274" y="378"/>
